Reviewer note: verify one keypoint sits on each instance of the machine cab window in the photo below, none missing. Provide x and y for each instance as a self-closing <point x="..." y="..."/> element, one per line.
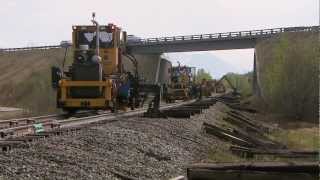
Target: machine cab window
<point x="86" y="35"/>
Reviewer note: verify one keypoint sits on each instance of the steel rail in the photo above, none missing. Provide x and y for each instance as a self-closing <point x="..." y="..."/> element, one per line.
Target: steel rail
<point x="113" y="116"/>
<point x="53" y="124"/>
<point x="11" y="123"/>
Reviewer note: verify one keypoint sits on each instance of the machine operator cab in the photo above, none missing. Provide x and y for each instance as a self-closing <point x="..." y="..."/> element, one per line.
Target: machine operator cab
<point x="108" y="44"/>
<point x="91" y="81"/>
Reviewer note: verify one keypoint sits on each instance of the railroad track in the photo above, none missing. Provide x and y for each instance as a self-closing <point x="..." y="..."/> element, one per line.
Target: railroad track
<point x="13" y="136"/>
<point x="16" y="132"/>
<point x="11" y="123"/>
<point x="26" y="126"/>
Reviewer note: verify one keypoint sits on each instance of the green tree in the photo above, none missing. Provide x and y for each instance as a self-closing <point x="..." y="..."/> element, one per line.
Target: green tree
<point x="242" y="82"/>
<point x="202" y="74"/>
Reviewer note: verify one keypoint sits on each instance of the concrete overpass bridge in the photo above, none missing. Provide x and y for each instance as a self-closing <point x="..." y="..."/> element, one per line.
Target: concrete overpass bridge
<point x="152" y="48"/>
<point x="202" y="42"/>
<point x="209" y="42"/>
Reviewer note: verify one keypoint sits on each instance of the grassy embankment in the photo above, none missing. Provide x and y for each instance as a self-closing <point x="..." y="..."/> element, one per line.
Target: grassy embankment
<point x="25" y="80"/>
<point x="288" y="69"/>
<point x="301" y="138"/>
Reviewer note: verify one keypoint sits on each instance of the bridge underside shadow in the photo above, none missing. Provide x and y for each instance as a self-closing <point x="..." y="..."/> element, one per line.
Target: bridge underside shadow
<point x="193" y="46"/>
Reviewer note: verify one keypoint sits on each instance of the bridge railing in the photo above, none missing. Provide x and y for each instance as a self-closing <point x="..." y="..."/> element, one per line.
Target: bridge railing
<point x="201" y="37"/>
<point x="29" y="48"/>
<point x="224" y="36"/>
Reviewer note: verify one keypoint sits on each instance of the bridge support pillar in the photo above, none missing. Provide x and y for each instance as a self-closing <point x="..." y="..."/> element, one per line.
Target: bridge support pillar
<point x="148" y="66"/>
<point x="156" y="79"/>
<point x="255" y="83"/>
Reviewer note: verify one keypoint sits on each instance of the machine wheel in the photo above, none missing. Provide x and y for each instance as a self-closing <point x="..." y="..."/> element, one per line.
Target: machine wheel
<point x="168" y="100"/>
<point x="70" y="111"/>
<point x="133" y="103"/>
<point x="114" y="109"/>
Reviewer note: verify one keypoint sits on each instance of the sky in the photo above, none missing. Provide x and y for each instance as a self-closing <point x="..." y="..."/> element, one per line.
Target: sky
<point x="241" y="60"/>
<point x="47" y="22"/>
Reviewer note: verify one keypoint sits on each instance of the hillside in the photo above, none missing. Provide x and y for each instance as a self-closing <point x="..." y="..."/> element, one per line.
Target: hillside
<point x="288" y="69"/>
<point x="25" y="79"/>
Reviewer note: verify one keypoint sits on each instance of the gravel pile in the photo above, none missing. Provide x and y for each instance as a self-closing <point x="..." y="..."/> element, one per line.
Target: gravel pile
<point x="137" y="147"/>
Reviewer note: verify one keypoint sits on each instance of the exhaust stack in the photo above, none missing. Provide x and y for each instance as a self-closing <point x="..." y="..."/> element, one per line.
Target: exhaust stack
<point x="97" y="33"/>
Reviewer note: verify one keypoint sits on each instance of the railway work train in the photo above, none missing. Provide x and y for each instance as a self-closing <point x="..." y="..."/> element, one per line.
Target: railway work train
<point x="182" y="84"/>
<point x="97" y="79"/>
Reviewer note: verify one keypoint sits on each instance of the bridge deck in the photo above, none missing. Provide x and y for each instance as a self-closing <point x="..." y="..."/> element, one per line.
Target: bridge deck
<point x="205" y="42"/>
<point x="202" y="42"/>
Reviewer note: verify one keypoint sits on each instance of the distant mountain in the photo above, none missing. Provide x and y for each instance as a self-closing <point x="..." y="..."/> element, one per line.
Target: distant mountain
<point x="215" y="66"/>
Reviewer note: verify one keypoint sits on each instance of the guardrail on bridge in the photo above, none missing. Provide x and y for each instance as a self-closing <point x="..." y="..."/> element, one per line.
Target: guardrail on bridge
<point x="178" y="39"/>
<point x="223" y="36"/>
<point x="30" y="48"/>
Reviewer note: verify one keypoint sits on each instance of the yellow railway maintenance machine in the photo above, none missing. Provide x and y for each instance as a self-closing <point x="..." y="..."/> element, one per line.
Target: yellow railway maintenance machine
<point x="182" y="84"/>
<point x="95" y="78"/>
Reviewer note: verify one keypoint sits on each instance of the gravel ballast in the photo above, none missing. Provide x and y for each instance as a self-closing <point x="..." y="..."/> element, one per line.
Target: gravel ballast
<point x="136" y="147"/>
